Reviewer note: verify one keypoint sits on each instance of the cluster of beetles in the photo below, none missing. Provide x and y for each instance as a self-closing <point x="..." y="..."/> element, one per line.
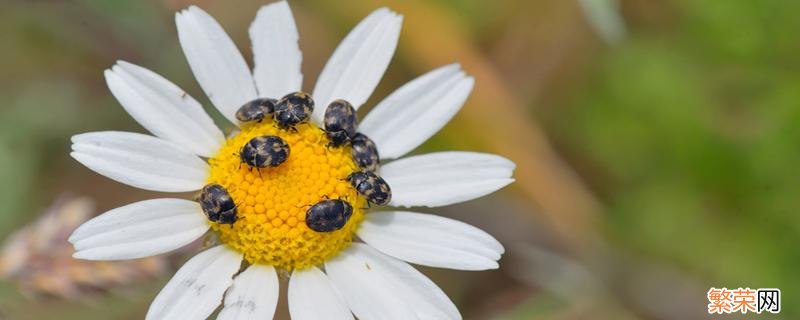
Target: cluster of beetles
<point x="340" y="123"/>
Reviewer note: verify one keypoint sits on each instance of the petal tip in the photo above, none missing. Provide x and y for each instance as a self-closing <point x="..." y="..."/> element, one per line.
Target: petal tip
<point x="125" y="66"/>
<point x="75" y="236"/>
<point x="194" y="9"/>
<point x="81" y="255"/>
<point x="108" y="73"/>
<point x="502" y="183"/>
<point x="381" y="10"/>
<point x="501" y="249"/>
<point x="469" y="79"/>
<point x="75" y="138"/>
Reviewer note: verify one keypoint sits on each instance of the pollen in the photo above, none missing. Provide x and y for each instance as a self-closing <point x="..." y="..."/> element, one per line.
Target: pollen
<point x="272" y="202"/>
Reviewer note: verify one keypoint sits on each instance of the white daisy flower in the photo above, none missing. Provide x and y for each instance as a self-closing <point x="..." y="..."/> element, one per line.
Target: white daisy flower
<point x="361" y="265"/>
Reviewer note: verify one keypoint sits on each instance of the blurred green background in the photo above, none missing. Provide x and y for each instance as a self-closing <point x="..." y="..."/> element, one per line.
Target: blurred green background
<point x="652" y="164"/>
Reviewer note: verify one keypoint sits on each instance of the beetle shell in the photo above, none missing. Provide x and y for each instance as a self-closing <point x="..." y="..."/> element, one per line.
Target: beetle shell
<point x="217" y="204"/>
<point x="340" y="122"/>
<point x="265" y="151"/>
<point x="328" y="215"/>
<point x="371" y="186"/>
<point x="365" y="153"/>
<point x="293" y="108"/>
<point x="256" y="110"/>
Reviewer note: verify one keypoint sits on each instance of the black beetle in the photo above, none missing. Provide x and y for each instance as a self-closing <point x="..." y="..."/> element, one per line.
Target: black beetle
<point x="328" y="215"/>
<point x="371" y="186"/>
<point x="264" y="151"/>
<point x="340" y="122"/>
<point x="256" y="110"/>
<point x="293" y="108"/>
<point x="364" y="152"/>
<point x="217" y="204"/>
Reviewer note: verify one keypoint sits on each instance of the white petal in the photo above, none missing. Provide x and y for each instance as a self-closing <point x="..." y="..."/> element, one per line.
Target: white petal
<point x="312" y="296"/>
<point x="276" y="53"/>
<point x="417" y="110"/>
<point x="139" y="230"/>
<point x="216" y="63"/>
<point x="357" y="65"/>
<point x="254" y="295"/>
<point x="140" y="160"/>
<point x="431" y="240"/>
<point x="164" y="109"/>
<point x="381" y="287"/>
<point x="197" y="288"/>
<point x="365" y="289"/>
<point x="443" y="178"/>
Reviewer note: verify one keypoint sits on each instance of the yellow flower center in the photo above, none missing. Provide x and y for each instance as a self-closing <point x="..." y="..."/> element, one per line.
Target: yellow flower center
<point x="272" y="202"/>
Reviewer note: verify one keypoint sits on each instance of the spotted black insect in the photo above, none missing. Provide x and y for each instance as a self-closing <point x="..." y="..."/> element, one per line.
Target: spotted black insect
<point x="256" y="110"/>
<point x="293" y="108"/>
<point x="328" y="215"/>
<point x="264" y="151"/>
<point x="364" y="152"/>
<point x="218" y="204"/>
<point x="371" y="186"/>
<point x="340" y="122"/>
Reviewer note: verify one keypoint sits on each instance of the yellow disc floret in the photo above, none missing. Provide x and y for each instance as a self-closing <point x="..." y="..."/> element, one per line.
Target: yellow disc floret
<point x="272" y="202"/>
